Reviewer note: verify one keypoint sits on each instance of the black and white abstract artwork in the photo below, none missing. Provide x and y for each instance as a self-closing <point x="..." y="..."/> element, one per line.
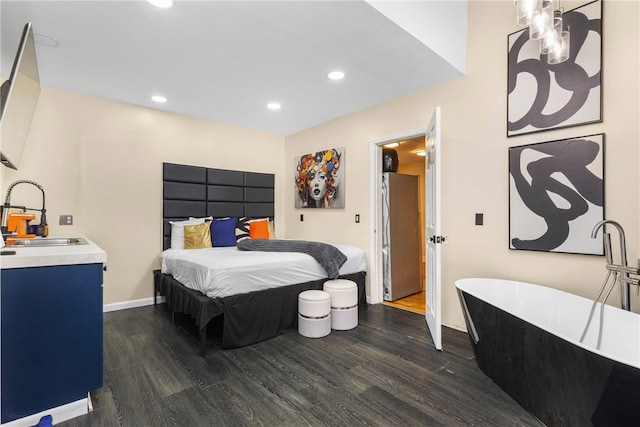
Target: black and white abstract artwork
<point x="543" y="96"/>
<point x="556" y="195"/>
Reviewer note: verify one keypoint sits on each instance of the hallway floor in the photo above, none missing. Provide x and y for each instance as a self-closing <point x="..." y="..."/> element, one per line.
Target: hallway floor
<point x="414" y="303"/>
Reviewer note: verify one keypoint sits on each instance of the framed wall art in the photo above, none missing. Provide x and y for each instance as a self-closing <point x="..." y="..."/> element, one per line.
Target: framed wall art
<point x="556" y="195"/>
<point x="542" y="96"/>
<point x="319" y="180"/>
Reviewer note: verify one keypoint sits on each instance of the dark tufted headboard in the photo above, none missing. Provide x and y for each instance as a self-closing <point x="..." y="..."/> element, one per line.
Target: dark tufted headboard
<point x="198" y="192"/>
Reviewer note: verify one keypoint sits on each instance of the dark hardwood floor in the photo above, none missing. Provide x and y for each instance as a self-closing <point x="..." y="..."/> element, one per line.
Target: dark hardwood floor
<point x="385" y="372"/>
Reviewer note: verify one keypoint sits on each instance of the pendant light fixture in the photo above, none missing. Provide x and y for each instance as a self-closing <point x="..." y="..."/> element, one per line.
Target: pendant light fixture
<point x="545" y="25"/>
<point x="559" y="52"/>
<point x="525" y="10"/>
<point x="550" y="39"/>
<point x="541" y="21"/>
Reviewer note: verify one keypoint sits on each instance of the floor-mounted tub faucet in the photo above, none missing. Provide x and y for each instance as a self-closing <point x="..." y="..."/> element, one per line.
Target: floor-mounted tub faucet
<point x="622" y="271"/>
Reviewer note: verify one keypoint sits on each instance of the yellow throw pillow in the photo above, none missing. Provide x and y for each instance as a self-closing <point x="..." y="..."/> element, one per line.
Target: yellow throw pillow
<point x="197" y="236"/>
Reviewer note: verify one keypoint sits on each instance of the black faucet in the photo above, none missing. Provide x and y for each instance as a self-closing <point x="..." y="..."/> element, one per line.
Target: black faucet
<point x="42" y="229"/>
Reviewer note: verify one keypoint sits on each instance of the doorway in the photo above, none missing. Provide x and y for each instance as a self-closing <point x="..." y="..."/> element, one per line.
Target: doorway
<point x="432" y="218"/>
<point x="409" y="142"/>
<point x="411" y="165"/>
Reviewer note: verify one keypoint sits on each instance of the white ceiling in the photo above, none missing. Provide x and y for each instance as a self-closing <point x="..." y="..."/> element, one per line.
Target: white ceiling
<point x="224" y="61"/>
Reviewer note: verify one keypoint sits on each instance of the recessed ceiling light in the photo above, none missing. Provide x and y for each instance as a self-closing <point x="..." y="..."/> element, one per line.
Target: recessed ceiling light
<point x="159" y="99"/>
<point x="422" y="153"/>
<point x="336" y="75"/>
<point x="274" y="106"/>
<point x="392" y="145"/>
<point x="162" y="4"/>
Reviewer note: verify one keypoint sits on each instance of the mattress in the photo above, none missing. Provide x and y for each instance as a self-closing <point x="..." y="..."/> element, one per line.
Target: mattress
<point x="222" y="272"/>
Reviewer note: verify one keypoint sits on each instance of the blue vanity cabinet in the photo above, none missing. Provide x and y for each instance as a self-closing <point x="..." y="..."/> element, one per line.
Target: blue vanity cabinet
<point x="51" y="336"/>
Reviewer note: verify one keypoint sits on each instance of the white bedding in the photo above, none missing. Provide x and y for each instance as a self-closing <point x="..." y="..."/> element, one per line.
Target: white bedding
<point x="220" y="272"/>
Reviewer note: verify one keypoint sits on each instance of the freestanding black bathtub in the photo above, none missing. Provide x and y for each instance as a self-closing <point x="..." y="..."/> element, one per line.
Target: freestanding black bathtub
<point x="526" y="338"/>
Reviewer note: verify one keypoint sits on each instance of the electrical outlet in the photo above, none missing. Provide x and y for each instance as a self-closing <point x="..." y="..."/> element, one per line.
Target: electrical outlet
<point x="66" y="220"/>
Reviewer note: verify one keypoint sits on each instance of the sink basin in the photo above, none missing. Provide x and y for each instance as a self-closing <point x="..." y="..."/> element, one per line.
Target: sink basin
<point x="46" y="242"/>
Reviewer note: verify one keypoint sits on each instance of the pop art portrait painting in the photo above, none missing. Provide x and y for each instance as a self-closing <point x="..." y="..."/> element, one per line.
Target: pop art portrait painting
<point x="319" y="179"/>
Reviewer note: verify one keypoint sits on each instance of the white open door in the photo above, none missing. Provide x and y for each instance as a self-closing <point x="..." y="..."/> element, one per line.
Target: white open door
<point x="433" y="235"/>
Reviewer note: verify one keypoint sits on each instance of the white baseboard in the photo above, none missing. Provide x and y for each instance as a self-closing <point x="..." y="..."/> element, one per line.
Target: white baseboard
<point x="130" y="304"/>
<point x="59" y="414"/>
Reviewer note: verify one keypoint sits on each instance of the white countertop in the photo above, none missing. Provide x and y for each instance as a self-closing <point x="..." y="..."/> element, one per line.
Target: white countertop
<point x="53" y="255"/>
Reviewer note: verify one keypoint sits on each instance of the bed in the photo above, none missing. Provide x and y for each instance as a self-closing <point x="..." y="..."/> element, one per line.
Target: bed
<point x="255" y="293"/>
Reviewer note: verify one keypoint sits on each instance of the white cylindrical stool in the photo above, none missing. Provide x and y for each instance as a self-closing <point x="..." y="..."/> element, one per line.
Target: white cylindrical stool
<point x="344" y="303"/>
<point x="314" y="314"/>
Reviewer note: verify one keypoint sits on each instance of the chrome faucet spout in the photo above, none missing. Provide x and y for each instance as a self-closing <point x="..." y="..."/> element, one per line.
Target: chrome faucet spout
<point x="623" y="243"/>
<point x="622" y="269"/>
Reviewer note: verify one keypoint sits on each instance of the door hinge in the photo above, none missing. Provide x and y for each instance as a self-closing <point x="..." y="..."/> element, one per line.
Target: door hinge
<point x="438" y="239"/>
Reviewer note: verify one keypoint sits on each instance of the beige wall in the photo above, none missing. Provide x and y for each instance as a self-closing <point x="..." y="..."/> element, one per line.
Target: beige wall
<point x="474" y="160"/>
<point x="102" y="162"/>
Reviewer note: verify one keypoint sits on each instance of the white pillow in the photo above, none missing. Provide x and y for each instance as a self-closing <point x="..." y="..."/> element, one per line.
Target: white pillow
<point x="206" y="218"/>
<point x="177" y="231"/>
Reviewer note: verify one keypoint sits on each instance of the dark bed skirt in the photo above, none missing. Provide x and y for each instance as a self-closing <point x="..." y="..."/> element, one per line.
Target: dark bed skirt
<point x="248" y="318"/>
